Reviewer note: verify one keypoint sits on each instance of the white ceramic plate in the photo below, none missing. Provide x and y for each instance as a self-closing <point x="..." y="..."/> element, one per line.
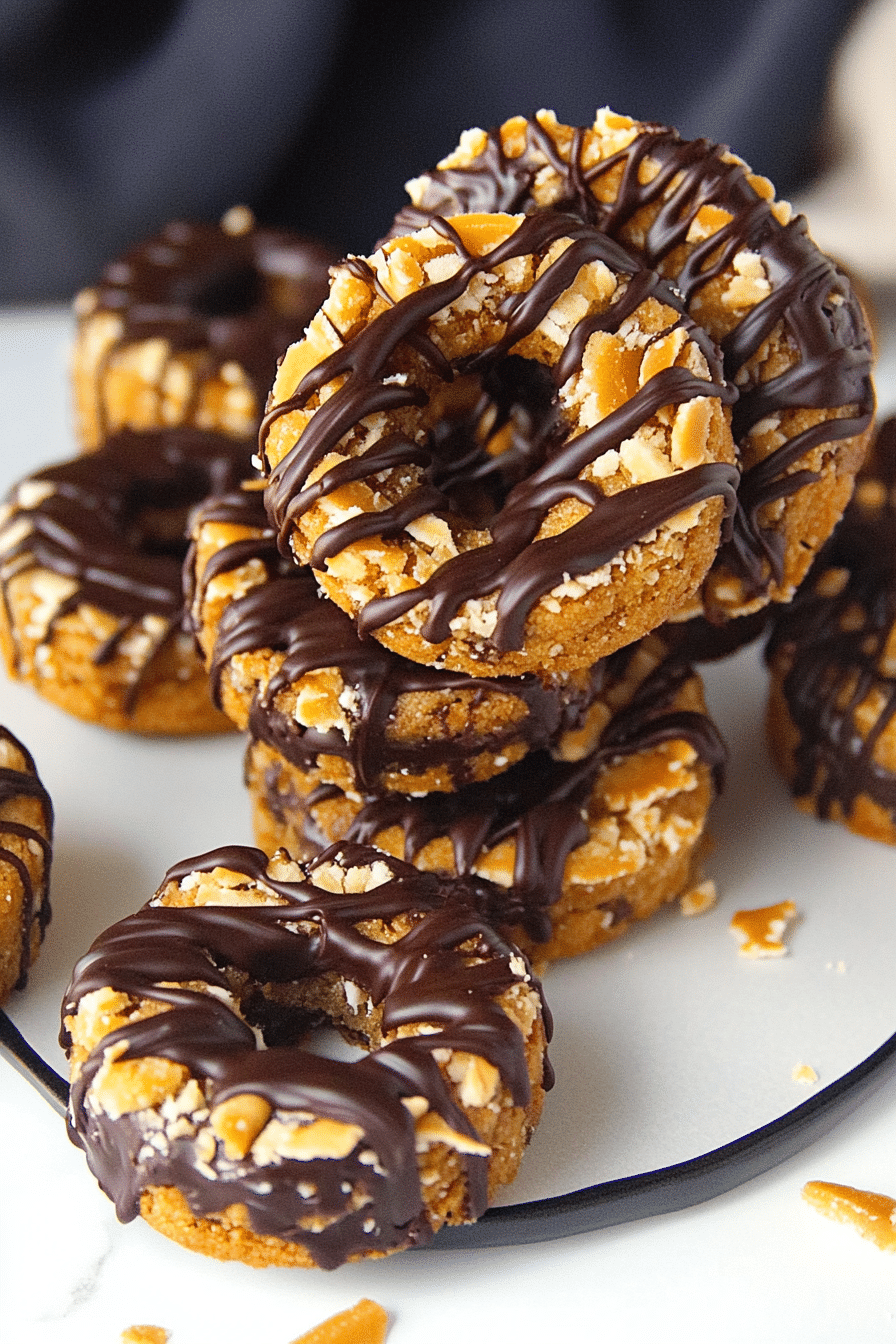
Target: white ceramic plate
<point x="667" y="1044"/>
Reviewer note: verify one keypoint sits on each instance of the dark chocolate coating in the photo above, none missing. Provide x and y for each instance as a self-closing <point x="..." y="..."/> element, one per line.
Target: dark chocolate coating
<point x="115" y="523"/>
<point x="833" y="646"/>
<point x="314" y="934"/>
<point x="35" y="903"/>
<point x="810" y="294"/>
<point x="286" y="613"/>
<point x="514" y="564"/>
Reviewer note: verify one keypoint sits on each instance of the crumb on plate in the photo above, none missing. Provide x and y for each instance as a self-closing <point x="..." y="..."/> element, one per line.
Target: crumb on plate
<point x="804" y="1073"/>
<point x="761" y="932"/>
<point x="697" y="900"/>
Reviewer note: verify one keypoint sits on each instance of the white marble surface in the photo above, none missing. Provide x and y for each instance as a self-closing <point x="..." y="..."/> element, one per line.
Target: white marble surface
<point x="666" y="1045"/>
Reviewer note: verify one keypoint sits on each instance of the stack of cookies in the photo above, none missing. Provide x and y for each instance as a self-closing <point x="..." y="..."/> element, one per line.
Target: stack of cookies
<point x="580" y="797"/>
<point x="535" y="745"/>
<point x="510" y="448"/>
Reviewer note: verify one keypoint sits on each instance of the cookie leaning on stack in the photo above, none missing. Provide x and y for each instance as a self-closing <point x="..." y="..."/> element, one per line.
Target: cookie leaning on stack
<point x="279" y="1155"/>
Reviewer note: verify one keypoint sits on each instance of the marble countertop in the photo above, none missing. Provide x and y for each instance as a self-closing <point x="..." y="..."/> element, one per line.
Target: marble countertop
<point x="667" y="1044"/>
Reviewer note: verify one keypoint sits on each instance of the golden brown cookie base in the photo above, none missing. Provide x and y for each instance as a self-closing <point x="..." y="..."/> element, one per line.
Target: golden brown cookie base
<point x="16" y="950"/>
<point x="229" y="1235"/>
<point x="474" y="716"/>
<point x="802" y="521"/>
<point x="478" y="730"/>
<point x="831" y="713"/>
<point x="590" y="625"/>
<point x="499" y="1104"/>
<point x="137" y="690"/>
<point x="225" y="1237"/>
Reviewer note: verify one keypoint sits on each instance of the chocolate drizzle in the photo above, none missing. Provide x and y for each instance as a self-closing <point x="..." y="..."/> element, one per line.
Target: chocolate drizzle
<point x="514" y="564"/>
<point x="539" y="803"/>
<point x="835" y="649"/>
<point x="235" y="297"/>
<point x="447" y="971"/>
<point x="285" y="614"/>
<point x="15" y="784"/>
<point x="113" y="522"/>
<point x="652" y="213"/>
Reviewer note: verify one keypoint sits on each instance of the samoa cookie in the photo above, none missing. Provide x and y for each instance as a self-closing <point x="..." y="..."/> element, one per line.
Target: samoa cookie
<point x="288" y="666"/>
<point x="274" y="1154"/>
<point x="91" y="556"/>
<point x="788" y="320"/>
<point x="832" y="656"/>
<point x="187" y="327"/>
<point x="600" y="523"/>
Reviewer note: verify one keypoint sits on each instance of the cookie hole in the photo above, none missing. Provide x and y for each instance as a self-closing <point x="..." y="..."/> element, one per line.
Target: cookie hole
<point x="230" y="291"/>
<point x="492" y="430"/>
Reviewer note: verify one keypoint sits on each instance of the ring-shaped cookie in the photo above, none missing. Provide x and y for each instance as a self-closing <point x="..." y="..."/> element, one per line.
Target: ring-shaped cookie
<point x="615" y="513"/>
<point x="26" y="836"/>
<point x="187" y="327"/>
<point x="790" y="324"/>
<point x="280" y="1155"/>
<point x="288" y="666"/>
<point x="574" y="852"/>
<point x="91" y="555"/>
<point x="831" y="717"/>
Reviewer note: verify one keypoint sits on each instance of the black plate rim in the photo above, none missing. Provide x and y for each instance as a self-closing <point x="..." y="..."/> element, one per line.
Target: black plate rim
<point x="683" y="1184"/>
<point x="625" y="1199"/>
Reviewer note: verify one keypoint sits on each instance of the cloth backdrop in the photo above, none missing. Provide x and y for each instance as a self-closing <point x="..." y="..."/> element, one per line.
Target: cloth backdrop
<point x="118" y="115"/>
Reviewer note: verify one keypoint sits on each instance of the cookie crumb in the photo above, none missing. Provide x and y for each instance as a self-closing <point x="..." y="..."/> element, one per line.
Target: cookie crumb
<point x="804" y="1073"/>
<point x="873" y="1216"/>
<point x="698" y="899"/>
<point x="761" y="932"/>
<point x="364" y="1323"/>
<point x="145" y="1334"/>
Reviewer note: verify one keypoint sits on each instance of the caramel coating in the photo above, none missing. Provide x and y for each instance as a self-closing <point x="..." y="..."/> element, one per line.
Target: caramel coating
<point x="364" y="1323"/>
<point x="872" y="1215"/>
